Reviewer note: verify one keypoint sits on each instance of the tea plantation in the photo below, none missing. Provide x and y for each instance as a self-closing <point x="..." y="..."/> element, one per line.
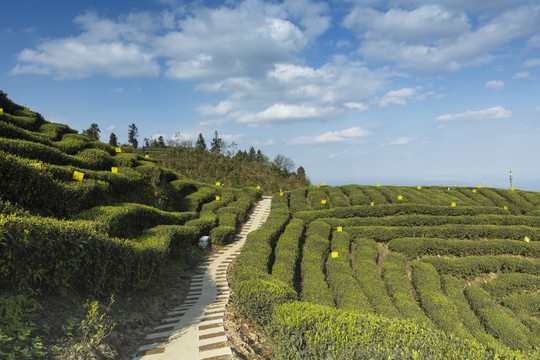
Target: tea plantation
<point x="80" y="215"/>
<point x="378" y="272"/>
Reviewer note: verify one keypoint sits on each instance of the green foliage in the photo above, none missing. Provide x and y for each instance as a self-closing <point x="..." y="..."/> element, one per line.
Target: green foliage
<point x="524" y="304"/>
<point x="222" y="235"/>
<point x="96" y="159"/>
<point x="316" y="250"/>
<point x="97" y="326"/>
<point x="511" y="283"/>
<point x="499" y="321"/>
<point x="11" y="131"/>
<point x="287" y="253"/>
<point x="417" y="247"/>
<point x="256" y="299"/>
<point x="394" y="273"/>
<point x="126" y="160"/>
<point x="307" y="331"/>
<point x="55" y="131"/>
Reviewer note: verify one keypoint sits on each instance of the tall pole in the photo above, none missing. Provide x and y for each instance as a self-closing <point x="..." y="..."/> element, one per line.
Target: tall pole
<point x="510" y="179"/>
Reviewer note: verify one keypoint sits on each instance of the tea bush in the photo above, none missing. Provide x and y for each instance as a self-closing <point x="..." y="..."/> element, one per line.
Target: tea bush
<point x="287" y="253"/>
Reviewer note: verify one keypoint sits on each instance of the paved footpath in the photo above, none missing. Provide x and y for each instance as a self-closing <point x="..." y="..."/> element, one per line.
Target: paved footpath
<point x="195" y="329"/>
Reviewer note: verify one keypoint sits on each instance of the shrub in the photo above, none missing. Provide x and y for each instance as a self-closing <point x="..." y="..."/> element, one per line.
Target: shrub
<point x="11" y="131"/>
<point x="316" y="196"/>
<point x="96" y="159"/>
<point x="177" y="238"/>
<point x="337" y="197"/>
<point x="125" y="160"/>
<point x="297" y="200"/>
<point x="70" y="146"/>
<point x="55" y="131"/>
<point x="523" y="304"/>
<point x="205" y="223"/>
<point x="308" y="331"/>
<point x="222" y="235"/>
<point x="195" y="201"/>
<point x="256" y="299"/>
<point x="30" y="150"/>
<point x="472" y="266"/>
<point x="499" y="321"/>
<point x="287" y="253"/>
<point x="511" y="283"/>
<point x="394" y="273"/>
<point x="316" y="250"/>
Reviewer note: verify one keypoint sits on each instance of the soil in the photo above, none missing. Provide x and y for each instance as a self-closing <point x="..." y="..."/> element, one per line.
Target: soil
<point x="135" y="315"/>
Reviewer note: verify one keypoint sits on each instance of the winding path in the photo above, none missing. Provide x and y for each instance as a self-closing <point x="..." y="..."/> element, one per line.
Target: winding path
<point x="195" y="329"/>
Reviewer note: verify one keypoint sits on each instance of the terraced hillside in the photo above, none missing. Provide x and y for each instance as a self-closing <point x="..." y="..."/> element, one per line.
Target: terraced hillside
<point x="80" y="215"/>
<point x="357" y="272"/>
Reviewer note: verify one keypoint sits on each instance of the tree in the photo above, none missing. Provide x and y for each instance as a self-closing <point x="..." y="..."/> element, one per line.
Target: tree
<point x="200" y="144"/>
<point x="146" y="142"/>
<point x="133" y="133"/>
<point x="113" y="140"/>
<point x="252" y="154"/>
<point x="261" y="158"/>
<point x="92" y="132"/>
<point x="217" y="144"/>
<point x="161" y="141"/>
<point x="283" y="164"/>
<point x="301" y="173"/>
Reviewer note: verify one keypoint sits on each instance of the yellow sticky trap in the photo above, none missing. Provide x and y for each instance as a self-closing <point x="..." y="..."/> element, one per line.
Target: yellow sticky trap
<point x="372" y="204"/>
<point x="114" y="170"/>
<point x="339" y="228"/>
<point x="258" y="187"/>
<point x="318" y="185"/>
<point x="485" y="186"/>
<point x="478" y="186"/>
<point x="442" y="185"/>
<point x="418" y="187"/>
<point x="147" y="156"/>
<point x="400" y="197"/>
<point x="334" y="254"/>
<point x="217" y="198"/>
<point x="422" y="236"/>
<point x="26" y="109"/>
<point x="453" y="204"/>
<point x="474" y="190"/>
<point x="527" y="239"/>
<point x="323" y="202"/>
<point x="323" y="184"/>
<point x="118" y="150"/>
<point x="281" y="193"/>
<point x="378" y="184"/>
<point x="78" y="176"/>
<point x="218" y="183"/>
<point x="512" y="188"/>
<point x="1" y="110"/>
<point x="393" y="184"/>
<point x="505" y="207"/>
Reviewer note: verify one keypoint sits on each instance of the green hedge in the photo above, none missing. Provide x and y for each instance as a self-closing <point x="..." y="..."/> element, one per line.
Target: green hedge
<point x="367" y="274"/>
<point x="129" y="220"/>
<point x="499" y="321"/>
<point x="346" y="291"/>
<point x="356" y="195"/>
<point x="11" y="131"/>
<point x="396" y="209"/>
<point x="178" y="240"/>
<point x="35" y="151"/>
<point x="394" y="273"/>
<point x="416" y="247"/>
<point x="512" y="283"/>
<point x="44" y="253"/>
<point x="125" y="160"/>
<point x="437" y="306"/>
<point x="222" y="235"/>
<point x="434" y="220"/>
<point x="70" y="146"/>
<point x="256" y="299"/>
<point x="452" y="288"/>
<point x="96" y="159"/>
<point x="195" y="201"/>
<point x="55" y="131"/>
<point x="337" y="197"/>
<point x="307" y="331"/>
<point x="387" y="233"/>
<point x="297" y="200"/>
<point x="316" y="250"/>
<point x="24" y="120"/>
<point x="316" y="196"/>
<point x="523" y="304"/>
<point x="256" y="258"/>
<point x="472" y="266"/>
<point x="205" y="223"/>
<point x="287" y="253"/>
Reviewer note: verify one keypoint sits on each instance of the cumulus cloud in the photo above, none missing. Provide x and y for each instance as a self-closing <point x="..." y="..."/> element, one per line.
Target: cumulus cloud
<point x="432" y="37"/>
<point x="220" y="109"/>
<point x="347" y="135"/>
<point x="494" y="84"/>
<point x="396" y="97"/>
<point x="358" y="106"/>
<point x="280" y="113"/>
<point x="497" y="112"/>
<point x="404" y="140"/>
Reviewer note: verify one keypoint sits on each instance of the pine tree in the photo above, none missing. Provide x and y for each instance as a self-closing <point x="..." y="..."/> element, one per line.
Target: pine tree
<point x="301" y="173"/>
<point x="217" y="144"/>
<point x="133" y="133"/>
<point x="92" y="132"/>
<point x="113" y="140"/>
<point x="200" y="144"/>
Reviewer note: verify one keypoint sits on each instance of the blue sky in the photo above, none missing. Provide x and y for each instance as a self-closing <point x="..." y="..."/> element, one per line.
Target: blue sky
<point x="404" y="92"/>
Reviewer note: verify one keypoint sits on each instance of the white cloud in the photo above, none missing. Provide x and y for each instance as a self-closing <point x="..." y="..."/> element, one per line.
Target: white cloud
<point x="280" y="113"/>
<point x="396" y="97"/>
<point x="264" y="143"/>
<point x="358" y="106"/>
<point x="347" y="135"/>
<point x="433" y="38"/>
<point x="220" y="109"/>
<point x="522" y="75"/>
<point x="497" y="112"/>
<point x="531" y="62"/>
<point x="494" y="84"/>
<point x="404" y="140"/>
